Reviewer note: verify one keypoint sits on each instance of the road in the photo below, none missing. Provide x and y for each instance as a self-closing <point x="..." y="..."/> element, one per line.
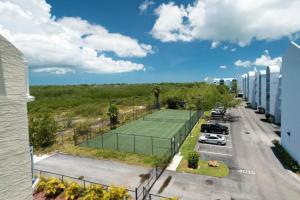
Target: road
<point x="100" y="171"/>
<point x="255" y="172"/>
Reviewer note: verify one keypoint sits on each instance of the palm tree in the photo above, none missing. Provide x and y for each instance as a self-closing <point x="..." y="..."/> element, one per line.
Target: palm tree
<point x="156" y="91"/>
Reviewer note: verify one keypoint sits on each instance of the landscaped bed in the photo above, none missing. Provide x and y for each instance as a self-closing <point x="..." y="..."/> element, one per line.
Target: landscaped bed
<point x="55" y="189"/>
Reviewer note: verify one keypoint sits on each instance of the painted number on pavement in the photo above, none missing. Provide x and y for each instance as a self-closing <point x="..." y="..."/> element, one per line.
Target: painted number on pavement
<point x="247" y="171"/>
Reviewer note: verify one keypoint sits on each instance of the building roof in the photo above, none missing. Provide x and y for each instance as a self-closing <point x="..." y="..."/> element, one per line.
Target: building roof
<point x="251" y="73"/>
<point x="274" y="68"/>
<point x="263" y="72"/>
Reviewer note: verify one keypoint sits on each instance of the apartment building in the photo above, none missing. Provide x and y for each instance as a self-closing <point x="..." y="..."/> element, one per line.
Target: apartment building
<point x="290" y="126"/>
<point x="15" y="164"/>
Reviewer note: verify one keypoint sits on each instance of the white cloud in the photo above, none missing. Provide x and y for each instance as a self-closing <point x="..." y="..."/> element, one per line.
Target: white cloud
<point x="170" y="24"/>
<point x="69" y="41"/>
<point x="54" y="70"/>
<point x="223" y="67"/>
<point x="264" y="60"/>
<point x="233" y="50"/>
<point x="240" y="63"/>
<point x="233" y="21"/>
<point x="145" y="5"/>
<point x="215" y="44"/>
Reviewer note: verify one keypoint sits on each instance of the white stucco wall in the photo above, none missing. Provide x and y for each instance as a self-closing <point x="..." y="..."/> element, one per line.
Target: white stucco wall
<point x="290" y="101"/>
<point x="273" y="72"/>
<point x="252" y="88"/>
<point x="240" y="85"/>
<point x="262" y="76"/>
<point x="15" y="171"/>
<point x="245" y="85"/>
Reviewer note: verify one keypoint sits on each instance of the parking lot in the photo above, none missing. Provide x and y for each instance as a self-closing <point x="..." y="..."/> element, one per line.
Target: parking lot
<point x="222" y="153"/>
<point x="255" y="172"/>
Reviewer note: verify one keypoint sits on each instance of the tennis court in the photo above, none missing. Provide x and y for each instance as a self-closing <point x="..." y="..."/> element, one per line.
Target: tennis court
<point x="160" y="133"/>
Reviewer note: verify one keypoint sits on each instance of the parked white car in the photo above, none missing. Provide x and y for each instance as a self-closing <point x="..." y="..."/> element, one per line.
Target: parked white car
<point x="213" y="139"/>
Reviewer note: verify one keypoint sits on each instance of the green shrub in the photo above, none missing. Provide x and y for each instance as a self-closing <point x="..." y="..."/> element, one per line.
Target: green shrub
<point x="95" y="192"/>
<point x="53" y="187"/>
<point x="285" y="157"/>
<point x="116" y="193"/>
<point x="193" y="160"/>
<point x="41" y="185"/>
<point x="42" y="129"/>
<point x="73" y="191"/>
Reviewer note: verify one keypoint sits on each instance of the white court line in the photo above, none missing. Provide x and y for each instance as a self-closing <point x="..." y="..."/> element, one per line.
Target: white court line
<point x="209" y="152"/>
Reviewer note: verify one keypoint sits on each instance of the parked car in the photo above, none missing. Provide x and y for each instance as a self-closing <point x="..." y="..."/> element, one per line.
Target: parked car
<point x="213" y="139"/>
<point x="214" y="128"/>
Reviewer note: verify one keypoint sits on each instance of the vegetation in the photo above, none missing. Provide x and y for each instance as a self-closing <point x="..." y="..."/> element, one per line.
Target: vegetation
<point x="42" y="130"/>
<point x="234" y="87"/>
<point x="156" y="91"/>
<point x="285" y="157"/>
<point x="92" y="100"/>
<point x="113" y="113"/>
<point x="193" y="160"/>
<point x="188" y="146"/>
<point x="73" y="191"/>
<point x="80" y="106"/>
<point x="53" y="187"/>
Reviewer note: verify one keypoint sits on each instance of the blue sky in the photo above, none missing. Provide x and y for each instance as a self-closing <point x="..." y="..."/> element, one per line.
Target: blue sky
<point x="146" y="44"/>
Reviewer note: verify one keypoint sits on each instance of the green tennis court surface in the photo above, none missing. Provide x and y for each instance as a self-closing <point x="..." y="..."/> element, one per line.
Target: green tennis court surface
<point x="160" y="133"/>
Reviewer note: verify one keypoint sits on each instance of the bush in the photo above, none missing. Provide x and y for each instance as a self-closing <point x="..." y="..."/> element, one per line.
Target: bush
<point x="42" y="129"/>
<point x="54" y="187"/>
<point x="116" y="193"/>
<point x="41" y="185"/>
<point x="285" y="157"/>
<point x="193" y="160"/>
<point x="95" y="192"/>
<point x="73" y="191"/>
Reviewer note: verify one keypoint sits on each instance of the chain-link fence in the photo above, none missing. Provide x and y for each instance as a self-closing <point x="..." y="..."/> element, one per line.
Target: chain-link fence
<point x="139" y="143"/>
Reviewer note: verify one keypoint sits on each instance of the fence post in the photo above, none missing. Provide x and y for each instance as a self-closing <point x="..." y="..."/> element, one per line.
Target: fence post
<point x="134" y="143"/>
<point x="102" y="139"/>
<point x="117" y="141"/>
<point x="62" y="178"/>
<point x="152" y="143"/>
<point x="83" y="184"/>
<point x="136" y="195"/>
<point x="87" y="139"/>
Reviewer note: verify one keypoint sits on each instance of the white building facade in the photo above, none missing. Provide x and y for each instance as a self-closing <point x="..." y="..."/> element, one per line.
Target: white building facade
<point x="290" y="124"/>
<point x="261" y="100"/>
<point x="251" y="83"/>
<point x="15" y="165"/>
<point x="273" y="93"/>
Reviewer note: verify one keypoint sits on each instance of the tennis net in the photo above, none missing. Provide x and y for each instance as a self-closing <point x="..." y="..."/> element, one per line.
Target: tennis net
<point x="164" y="120"/>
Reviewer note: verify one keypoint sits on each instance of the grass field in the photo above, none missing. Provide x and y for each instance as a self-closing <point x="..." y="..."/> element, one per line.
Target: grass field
<point x="160" y="133"/>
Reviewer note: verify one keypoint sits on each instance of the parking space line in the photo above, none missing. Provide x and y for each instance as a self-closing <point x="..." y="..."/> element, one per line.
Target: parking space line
<point x="212" y="145"/>
<point x="209" y="152"/>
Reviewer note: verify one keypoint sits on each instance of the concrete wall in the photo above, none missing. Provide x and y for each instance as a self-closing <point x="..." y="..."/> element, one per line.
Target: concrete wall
<point x="262" y="88"/>
<point x="252" y="89"/>
<point x="290" y="124"/>
<point x="274" y="87"/>
<point x="15" y="171"/>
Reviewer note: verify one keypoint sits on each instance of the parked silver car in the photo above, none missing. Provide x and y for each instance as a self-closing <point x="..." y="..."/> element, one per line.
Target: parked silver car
<point x="213" y="139"/>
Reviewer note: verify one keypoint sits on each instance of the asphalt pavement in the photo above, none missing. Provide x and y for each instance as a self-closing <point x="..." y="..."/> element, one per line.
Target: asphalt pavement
<point x="255" y="172"/>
